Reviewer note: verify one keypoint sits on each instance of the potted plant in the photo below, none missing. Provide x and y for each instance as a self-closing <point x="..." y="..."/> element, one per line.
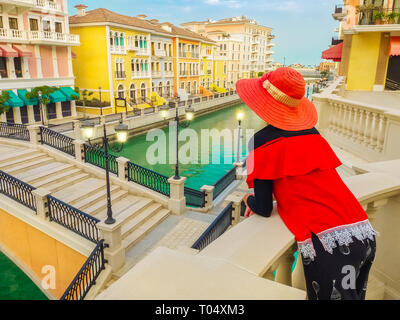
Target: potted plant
<point x="379" y="17"/>
<point x="391" y="17"/>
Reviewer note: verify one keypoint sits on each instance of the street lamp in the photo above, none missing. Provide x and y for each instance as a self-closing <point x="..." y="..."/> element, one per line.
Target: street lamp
<point x="121" y="131"/>
<point x="189" y="114"/>
<point x="239" y="117"/>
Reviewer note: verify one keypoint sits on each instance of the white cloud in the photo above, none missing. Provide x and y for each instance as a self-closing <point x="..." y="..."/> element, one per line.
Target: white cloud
<point x="228" y="3"/>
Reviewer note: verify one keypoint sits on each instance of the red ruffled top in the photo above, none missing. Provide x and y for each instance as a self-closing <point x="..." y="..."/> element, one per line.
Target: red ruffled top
<point x="310" y="194"/>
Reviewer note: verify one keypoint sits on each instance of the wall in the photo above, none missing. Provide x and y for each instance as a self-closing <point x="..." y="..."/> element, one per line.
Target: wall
<point x="363" y="61"/>
<point x="34" y="249"/>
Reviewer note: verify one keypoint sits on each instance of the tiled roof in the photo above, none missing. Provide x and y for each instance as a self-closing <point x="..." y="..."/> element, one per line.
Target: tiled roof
<point x="104" y="15"/>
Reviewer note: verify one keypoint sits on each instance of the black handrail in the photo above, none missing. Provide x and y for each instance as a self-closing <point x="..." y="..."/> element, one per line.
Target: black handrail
<point x="148" y="178"/>
<point x="17" y="190"/>
<point x="87" y="275"/>
<point x="194" y="197"/>
<point x="73" y="219"/>
<point x="97" y="157"/>
<point x="14" y="131"/>
<point x="57" y="140"/>
<point x="224" y="182"/>
<point x="221" y="223"/>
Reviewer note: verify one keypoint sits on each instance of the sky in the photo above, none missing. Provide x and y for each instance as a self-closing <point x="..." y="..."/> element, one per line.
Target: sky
<point x="302" y="28"/>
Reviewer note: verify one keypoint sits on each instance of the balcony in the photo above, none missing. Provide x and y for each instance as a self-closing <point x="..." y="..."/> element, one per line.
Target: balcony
<point x="270" y="44"/>
<point x="168" y="74"/>
<point x="156" y="74"/>
<point x="207" y="56"/>
<point x="139" y="51"/>
<point x="48" y="5"/>
<point x="269" y="52"/>
<point x="340" y="13"/>
<point x="271" y="36"/>
<point x="39" y="37"/>
<point x="22" y="3"/>
<point x="379" y="16"/>
<point x="159" y="53"/>
<point x="140" y="75"/>
<point x="118" y="50"/>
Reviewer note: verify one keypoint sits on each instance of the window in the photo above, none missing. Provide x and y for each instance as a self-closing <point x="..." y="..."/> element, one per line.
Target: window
<point x="13" y="23"/>
<point x="153" y="89"/>
<point x="10" y="115"/>
<point x="24" y="114"/>
<point x="160" y="89"/>
<point x="3" y="67"/>
<point x="66" y="108"/>
<point x="188" y="87"/>
<point x="132" y="92"/>
<point x="33" y="24"/>
<point x="143" y="91"/>
<point x="1" y="22"/>
<point x="121" y="40"/>
<point x="194" y="87"/>
<point x="36" y="113"/>
<point x="58" y="27"/>
<point x="111" y="39"/>
<point x="136" y="42"/>
<point x="18" y="67"/>
<point x="121" y="91"/>
<point x="51" y="111"/>
<point x="168" y="89"/>
<point x="46" y="25"/>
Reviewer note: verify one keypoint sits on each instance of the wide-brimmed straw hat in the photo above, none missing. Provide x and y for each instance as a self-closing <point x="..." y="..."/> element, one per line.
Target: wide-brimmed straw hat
<point x="278" y="98"/>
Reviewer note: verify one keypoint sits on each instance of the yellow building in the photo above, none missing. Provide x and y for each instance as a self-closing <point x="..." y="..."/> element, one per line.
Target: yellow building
<point x="207" y="66"/>
<point x="369" y="57"/>
<point x="114" y="59"/>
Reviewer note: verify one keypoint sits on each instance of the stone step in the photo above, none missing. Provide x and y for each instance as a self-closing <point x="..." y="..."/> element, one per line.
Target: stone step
<point x="102" y="204"/>
<point x="134" y="209"/>
<point x="49" y="181"/>
<point x="46" y="171"/>
<point x="29" y="157"/>
<point x="375" y="289"/>
<point x="81" y="190"/>
<point x="67" y="181"/>
<point x="97" y="196"/>
<point x="9" y="156"/>
<point x="25" y="166"/>
<point x="140" y="217"/>
<point x="119" y="206"/>
<point x="144" y="229"/>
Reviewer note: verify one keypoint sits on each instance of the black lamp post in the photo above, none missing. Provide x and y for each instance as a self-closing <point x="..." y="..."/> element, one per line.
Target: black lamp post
<point x="122" y="134"/>
<point x="189" y="117"/>
<point x="239" y="117"/>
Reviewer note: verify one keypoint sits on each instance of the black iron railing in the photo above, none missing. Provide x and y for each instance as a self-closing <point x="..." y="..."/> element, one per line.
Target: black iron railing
<point x="195" y="198"/>
<point x="97" y="157"/>
<point x="73" y="219"/>
<point x="14" y="131"/>
<point x="57" y="140"/>
<point x="17" y="190"/>
<point x="224" y="182"/>
<point x="339" y="8"/>
<point x="87" y="275"/>
<point x="148" y="178"/>
<point x="216" y="229"/>
<point x="379" y="15"/>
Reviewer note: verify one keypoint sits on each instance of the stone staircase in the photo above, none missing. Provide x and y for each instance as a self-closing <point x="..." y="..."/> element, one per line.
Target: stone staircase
<point x="83" y="191"/>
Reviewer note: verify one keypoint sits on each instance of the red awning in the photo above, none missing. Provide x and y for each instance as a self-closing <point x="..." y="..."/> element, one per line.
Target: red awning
<point x="22" y="52"/>
<point x="334" y="53"/>
<point x="7" y="51"/>
<point x="394" y="46"/>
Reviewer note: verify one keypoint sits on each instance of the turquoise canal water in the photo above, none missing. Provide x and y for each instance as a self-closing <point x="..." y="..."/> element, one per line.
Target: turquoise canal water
<point x="219" y="154"/>
<point x="15" y="284"/>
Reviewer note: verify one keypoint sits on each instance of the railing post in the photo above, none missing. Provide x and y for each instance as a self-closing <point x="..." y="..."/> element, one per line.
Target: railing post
<point x="77" y="129"/>
<point x="177" y="200"/>
<point x="114" y="252"/>
<point x="79" y="150"/>
<point x="284" y="270"/>
<point x="239" y="170"/>
<point x="34" y="134"/>
<point x="236" y="198"/>
<point x="209" y="196"/>
<point x="122" y="168"/>
<point x="42" y="207"/>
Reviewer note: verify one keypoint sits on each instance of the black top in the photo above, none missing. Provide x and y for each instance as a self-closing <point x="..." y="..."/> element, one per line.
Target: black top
<point x="261" y="203"/>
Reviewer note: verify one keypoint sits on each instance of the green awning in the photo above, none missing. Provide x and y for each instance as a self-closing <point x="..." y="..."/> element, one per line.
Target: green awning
<point x="14" y="101"/>
<point x="69" y="93"/>
<point x="57" y="96"/>
<point x="28" y="102"/>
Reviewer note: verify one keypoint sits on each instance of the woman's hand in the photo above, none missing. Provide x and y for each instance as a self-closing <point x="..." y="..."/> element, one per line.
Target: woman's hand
<point x="248" y="213"/>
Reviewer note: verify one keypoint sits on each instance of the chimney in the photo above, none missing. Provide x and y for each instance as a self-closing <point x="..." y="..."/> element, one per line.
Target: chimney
<point x="81" y="9"/>
<point x="141" y="16"/>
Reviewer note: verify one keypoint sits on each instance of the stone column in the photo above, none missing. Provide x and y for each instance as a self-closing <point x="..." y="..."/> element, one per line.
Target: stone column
<point x="123" y="168"/>
<point x="73" y="108"/>
<point x="177" y="200"/>
<point x="79" y="150"/>
<point x="77" y="129"/>
<point x="31" y="114"/>
<point x="17" y="115"/>
<point x="34" y="134"/>
<point x="239" y="170"/>
<point x="209" y="190"/>
<point x="236" y="198"/>
<point x="41" y="200"/>
<point x="59" y="110"/>
<point x="114" y="253"/>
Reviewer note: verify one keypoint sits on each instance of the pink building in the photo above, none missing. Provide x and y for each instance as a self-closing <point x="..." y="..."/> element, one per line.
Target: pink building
<point x="35" y="50"/>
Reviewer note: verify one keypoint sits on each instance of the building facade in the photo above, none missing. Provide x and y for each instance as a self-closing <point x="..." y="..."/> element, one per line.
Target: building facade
<point x="244" y="43"/>
<point x="35" y="50"/>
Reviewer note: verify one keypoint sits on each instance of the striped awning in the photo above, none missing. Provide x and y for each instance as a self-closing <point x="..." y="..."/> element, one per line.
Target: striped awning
<point x="394" y="46"/>
<point x="334" y="53"/>
<point x="22" y="52"/>
<point x="7" y="51"/>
